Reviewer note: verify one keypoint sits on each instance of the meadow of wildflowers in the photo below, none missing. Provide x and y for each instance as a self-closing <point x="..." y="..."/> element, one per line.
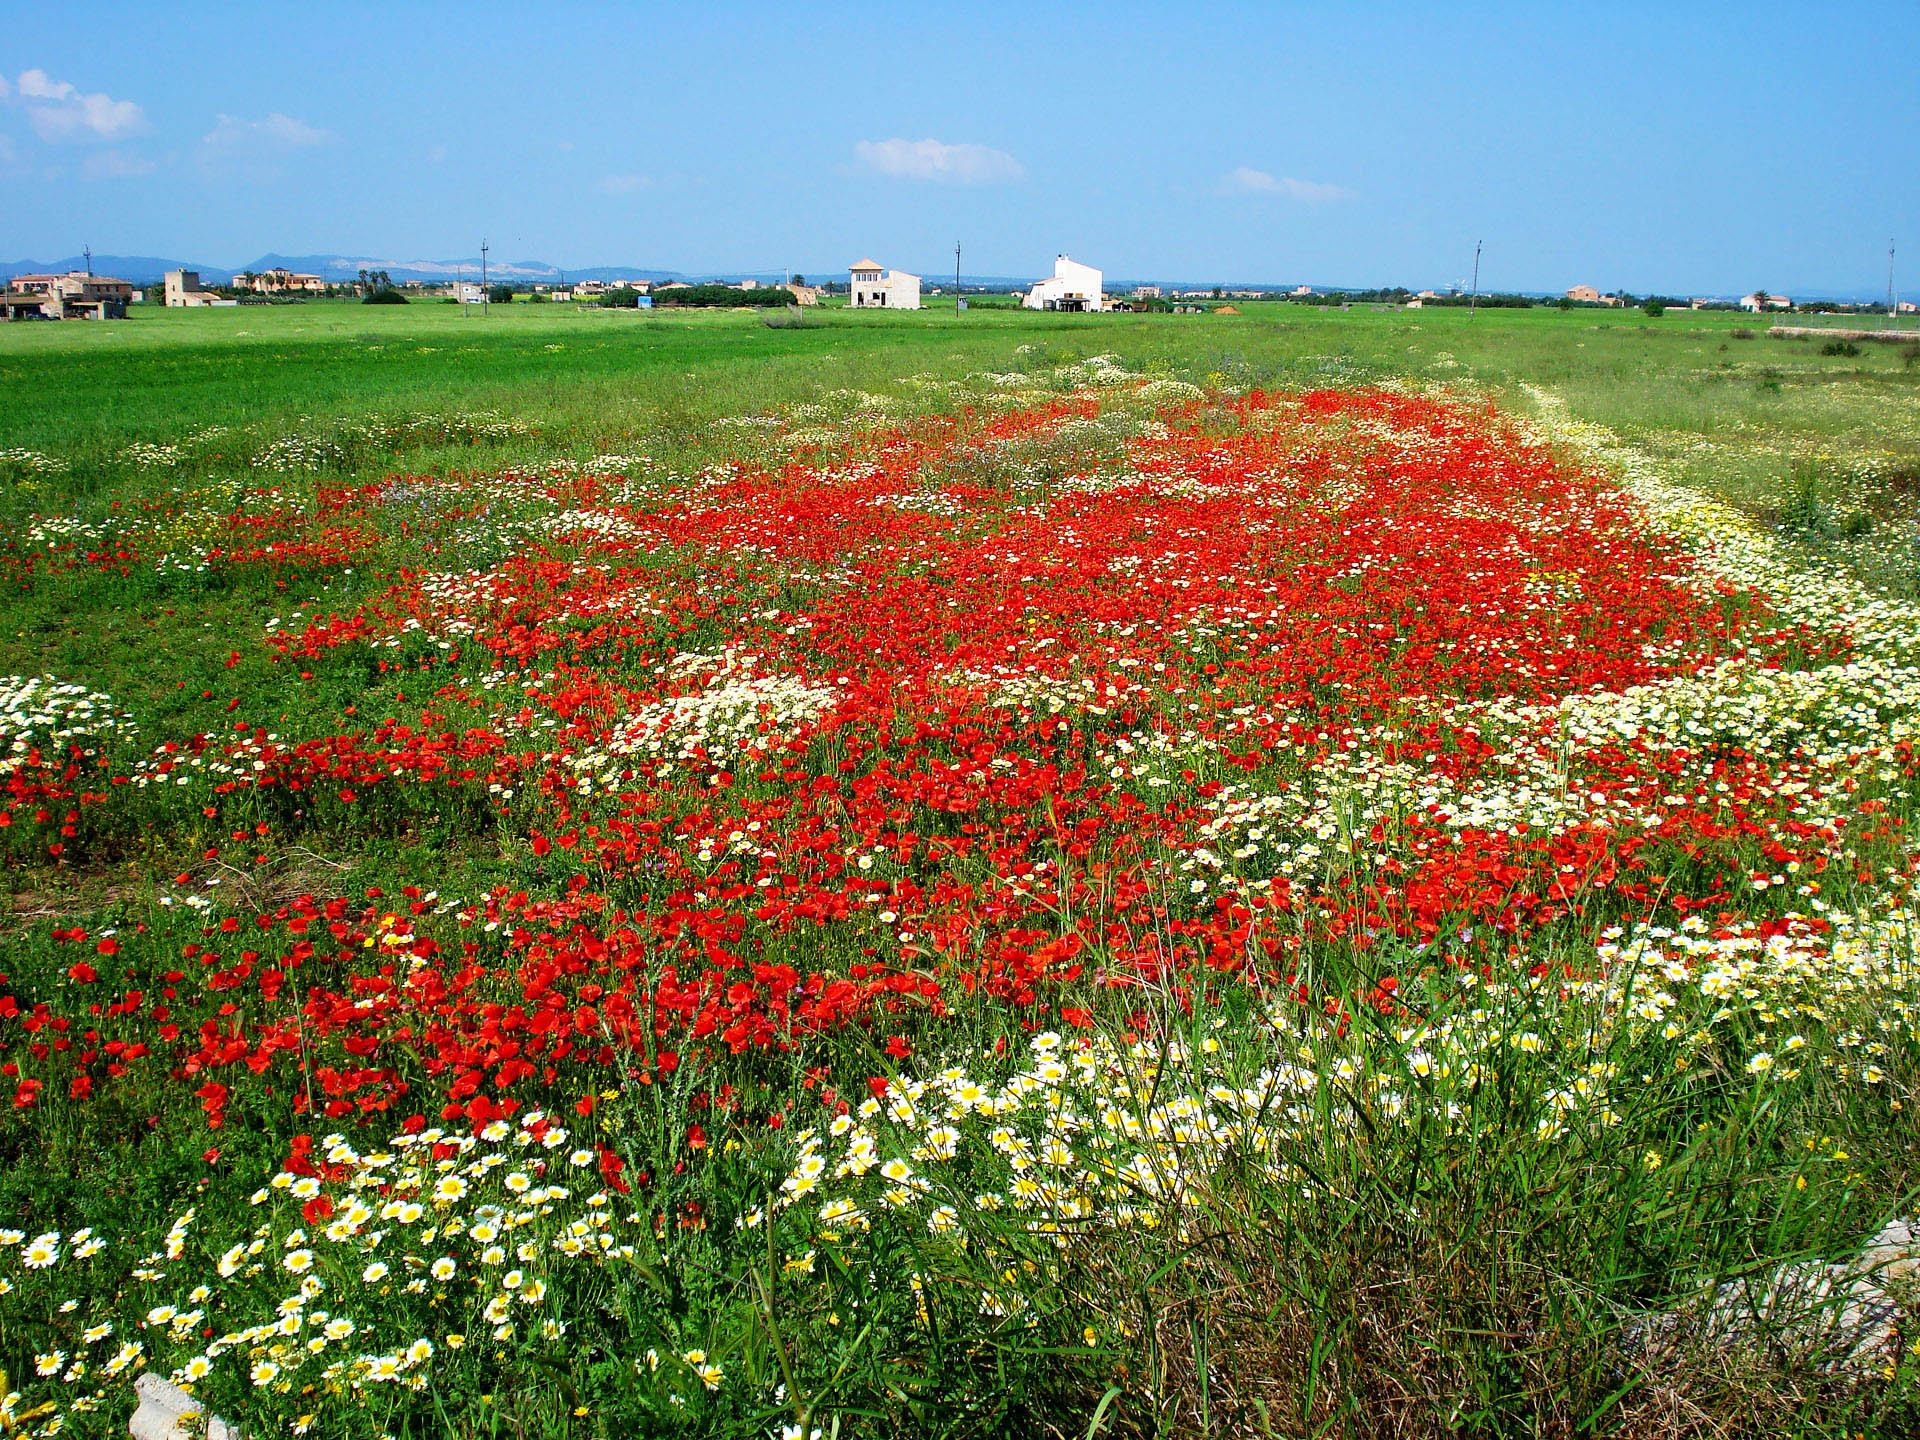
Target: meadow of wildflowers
<point x="1085" y="903"/>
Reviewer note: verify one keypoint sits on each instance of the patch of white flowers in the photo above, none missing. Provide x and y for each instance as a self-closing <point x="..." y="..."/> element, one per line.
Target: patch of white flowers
<point x="45" y="714"/>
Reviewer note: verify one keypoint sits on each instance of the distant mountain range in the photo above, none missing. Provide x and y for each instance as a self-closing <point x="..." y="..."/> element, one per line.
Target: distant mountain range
<point x="148" y="270"/>
<point x="140" y="269"/>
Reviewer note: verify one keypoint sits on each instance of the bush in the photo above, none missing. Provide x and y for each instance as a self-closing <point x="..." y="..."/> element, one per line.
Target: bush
<point x="791" y="318"/>
<point x="771" y="296"/>
<point x="384" y="297"/>
<point x="1654" y="308"/>
<point x="1840" y="347"/>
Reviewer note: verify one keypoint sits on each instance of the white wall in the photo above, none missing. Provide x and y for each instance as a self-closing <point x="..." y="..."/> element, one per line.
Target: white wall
<point x="1070" y="281"/>
<point x="894" y="290"/>
<point x="903" y="290"/>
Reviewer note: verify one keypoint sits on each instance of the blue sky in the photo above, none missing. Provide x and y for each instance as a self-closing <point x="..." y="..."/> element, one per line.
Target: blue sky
<point x="1690" y="147"/>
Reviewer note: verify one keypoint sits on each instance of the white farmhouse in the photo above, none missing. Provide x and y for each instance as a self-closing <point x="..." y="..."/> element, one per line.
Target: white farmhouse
<point x="870" y="287"/>
<point x="183" y="292"/>
<point x="1073" y="287"/>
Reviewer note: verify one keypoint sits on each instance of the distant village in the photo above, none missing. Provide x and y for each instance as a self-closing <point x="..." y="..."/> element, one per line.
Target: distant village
<point x="1072" y="287"/>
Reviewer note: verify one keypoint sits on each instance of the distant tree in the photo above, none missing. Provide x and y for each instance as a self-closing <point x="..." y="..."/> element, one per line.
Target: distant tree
<point x="500" y="294"/>
<point x="1654" y="308"/>
<point x="720" y="296"/>
<point x="1216" y="292"/>
<point x="376" y="288"/>
<point x="799" y="280"/>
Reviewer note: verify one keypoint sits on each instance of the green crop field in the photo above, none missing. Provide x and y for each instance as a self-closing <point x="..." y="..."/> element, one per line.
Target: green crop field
<point x="1738" y="410"/>
<point x="605" y="873"/>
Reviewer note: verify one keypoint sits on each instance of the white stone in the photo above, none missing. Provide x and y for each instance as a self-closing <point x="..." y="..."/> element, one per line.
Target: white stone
<point x="168" y="1413"/>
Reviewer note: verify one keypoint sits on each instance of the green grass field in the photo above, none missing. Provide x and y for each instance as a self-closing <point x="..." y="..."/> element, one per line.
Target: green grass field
<point x="191" y="499"/>
<point x="594" y="380"/>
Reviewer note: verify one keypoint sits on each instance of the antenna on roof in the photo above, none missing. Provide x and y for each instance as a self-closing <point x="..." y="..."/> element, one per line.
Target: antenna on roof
<point x="89" y="255"/>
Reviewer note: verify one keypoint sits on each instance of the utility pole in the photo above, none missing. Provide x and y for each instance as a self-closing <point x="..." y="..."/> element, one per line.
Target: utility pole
<point x="1893" y="298"/>
<point x="956" y="278"/>
<point x="486" y="297"/>
<point x="1473" y="300"/>
<point x="89" y="254"/>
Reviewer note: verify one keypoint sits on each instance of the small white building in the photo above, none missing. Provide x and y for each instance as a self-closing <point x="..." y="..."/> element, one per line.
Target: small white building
<point x="869" y="286"/>
<point x="1073" y="286"/>
<point x="1146" y="292"/>
<point x="183" y="292"/>
<point x="468" y="292"/>
<point x="1760" y="300"/>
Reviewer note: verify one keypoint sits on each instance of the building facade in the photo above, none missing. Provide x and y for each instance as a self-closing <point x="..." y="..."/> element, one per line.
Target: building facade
<point x="870" y="286"/>
<point x="182" y="291"/>
<point x="73" y="296"/>
<point x="280" y="282"/>
<point x="1072" y="286"/>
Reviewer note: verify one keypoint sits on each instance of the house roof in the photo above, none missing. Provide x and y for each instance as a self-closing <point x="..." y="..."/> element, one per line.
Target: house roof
<point x="866" y="265"/>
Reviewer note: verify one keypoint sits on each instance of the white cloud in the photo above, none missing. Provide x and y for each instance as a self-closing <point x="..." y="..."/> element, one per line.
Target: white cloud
<point x="621" y="184"/>
<point x="274" y="132"/>
<point x="58" y="110"/>
<point x="1245" y="180"/>
<point x="255" y="147"/>
<point x="939" y="162"/>
<point x="115" y="165"/>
